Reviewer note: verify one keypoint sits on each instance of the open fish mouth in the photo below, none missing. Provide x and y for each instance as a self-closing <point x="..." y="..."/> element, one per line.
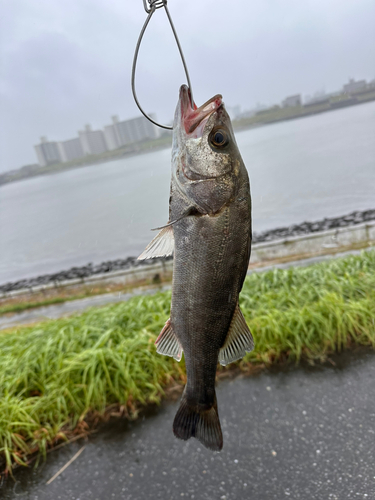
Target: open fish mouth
<point x="194" y="118"/>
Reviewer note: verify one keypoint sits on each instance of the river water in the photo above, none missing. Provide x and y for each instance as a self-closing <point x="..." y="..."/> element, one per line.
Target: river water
<point x="305" y="169"/>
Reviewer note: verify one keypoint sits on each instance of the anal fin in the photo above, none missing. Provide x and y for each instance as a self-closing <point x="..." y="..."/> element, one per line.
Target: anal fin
<point x="161" y="246"/>
<point x="239" y="340"/>
<point x="167" y="342"/>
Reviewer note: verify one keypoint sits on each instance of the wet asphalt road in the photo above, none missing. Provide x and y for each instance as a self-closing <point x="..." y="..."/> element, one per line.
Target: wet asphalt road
<point x="305" y="433"/>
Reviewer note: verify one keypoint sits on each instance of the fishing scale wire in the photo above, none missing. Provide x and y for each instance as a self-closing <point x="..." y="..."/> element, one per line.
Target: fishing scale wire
<point x="150" y="7"/>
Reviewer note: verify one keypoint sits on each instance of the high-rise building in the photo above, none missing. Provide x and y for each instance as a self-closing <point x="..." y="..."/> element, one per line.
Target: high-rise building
<point x="71" y="149"/>
<point x="92" y="141"/>
<point x="354" y="86"/>
<point x="136" y="130"/>
<point x="111" y="136"/>
<point x="47" y="152"/>
<point x="292" y="101"/>
<point x="128" y="131"/>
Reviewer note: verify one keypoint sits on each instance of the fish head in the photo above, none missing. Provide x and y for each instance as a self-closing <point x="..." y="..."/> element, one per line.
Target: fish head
<point x="205" y="157"/>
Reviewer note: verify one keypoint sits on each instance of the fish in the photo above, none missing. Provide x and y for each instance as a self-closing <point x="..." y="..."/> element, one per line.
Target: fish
<point x="209" y="234"/>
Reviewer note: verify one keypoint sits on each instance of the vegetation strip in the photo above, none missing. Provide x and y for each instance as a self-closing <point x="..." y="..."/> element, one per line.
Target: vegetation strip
<point x="57" y="377"/>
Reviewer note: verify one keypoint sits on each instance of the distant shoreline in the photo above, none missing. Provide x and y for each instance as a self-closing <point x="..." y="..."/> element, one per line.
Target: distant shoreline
<point x="19" y="175"/>
<point x="266" y="117"/>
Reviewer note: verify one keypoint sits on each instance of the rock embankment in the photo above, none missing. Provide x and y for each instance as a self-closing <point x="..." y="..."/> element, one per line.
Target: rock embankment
<point x="315" y="227"/>
<point x="83" y="272"/>
<point x="80" y="272"/>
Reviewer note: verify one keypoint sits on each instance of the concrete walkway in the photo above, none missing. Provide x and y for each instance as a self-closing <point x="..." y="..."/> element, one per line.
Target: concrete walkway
<point x="71" y="307"/>
<point x="75" y="306"/>
<point x="299" y="434"/>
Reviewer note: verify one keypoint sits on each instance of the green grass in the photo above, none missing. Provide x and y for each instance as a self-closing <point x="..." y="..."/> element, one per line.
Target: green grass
<point x="56" y="374"/>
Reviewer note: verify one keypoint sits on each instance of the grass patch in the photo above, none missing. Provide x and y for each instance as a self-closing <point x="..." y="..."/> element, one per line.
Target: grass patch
<point x="56" y="375"/>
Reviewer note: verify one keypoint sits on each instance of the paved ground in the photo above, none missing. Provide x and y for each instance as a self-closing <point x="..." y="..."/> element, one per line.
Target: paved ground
<point x="71" y="307"/>
<point x="67" y="308"/>
<point x="299" y="434"/>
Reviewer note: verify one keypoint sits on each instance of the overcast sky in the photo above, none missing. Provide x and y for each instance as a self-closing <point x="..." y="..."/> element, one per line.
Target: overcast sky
<point x="68" y="63"/>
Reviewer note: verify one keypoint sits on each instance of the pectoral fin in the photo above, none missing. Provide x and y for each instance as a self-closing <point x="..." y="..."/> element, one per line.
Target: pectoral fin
<point x="239" y="340"/>
<point x="167" y="343"/>
<point x="161" y="246"/>
<point x="189" y="211"/>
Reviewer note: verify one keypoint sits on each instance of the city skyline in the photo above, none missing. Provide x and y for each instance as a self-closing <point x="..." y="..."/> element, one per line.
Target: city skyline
<point x="94" y="142"/>
<point x="126" y="132"/>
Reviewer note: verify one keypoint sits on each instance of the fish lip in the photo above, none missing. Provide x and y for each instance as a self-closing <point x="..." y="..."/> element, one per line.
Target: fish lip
<point x="191" y="115"/>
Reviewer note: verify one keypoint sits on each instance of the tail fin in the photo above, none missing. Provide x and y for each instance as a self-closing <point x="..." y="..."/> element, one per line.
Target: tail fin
<point x="203" y="425"/>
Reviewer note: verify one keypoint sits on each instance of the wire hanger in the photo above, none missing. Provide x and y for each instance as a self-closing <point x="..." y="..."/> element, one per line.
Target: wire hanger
<point x="150" y="7"/>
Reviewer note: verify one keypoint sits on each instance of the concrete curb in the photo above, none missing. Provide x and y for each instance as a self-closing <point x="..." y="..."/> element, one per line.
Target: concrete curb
<point x="322" y="243"/>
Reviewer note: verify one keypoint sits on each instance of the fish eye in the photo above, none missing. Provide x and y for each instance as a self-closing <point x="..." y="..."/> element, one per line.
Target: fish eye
<point x="219" y="138"/>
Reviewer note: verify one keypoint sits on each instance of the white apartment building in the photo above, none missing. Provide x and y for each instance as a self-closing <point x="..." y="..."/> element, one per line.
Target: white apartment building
<point x="111" y="138"/>
<point x="354" y="86"/>
<point x="128" y="131"/>
<point x="292" y="101"/>
<point x="71" y="149"/>
<point x="92" y="141"/>
<point x="48" y="152"/>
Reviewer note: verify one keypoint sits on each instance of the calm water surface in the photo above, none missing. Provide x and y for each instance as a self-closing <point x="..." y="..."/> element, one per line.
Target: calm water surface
<point x="306" y="169"/>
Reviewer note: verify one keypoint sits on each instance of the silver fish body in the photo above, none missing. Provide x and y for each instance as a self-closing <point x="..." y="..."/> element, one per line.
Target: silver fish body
<point x="210" y="234"/>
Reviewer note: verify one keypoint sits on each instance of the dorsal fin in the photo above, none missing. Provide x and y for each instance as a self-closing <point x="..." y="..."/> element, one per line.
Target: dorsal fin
<point x="167" y="342"/>
<point x="161" y="246"/>
<point x="238" y="341"/>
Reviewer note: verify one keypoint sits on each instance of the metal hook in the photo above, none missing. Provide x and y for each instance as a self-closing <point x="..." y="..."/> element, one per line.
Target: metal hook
<point x="150" y="7"/>
<point x="153" y="3"/>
